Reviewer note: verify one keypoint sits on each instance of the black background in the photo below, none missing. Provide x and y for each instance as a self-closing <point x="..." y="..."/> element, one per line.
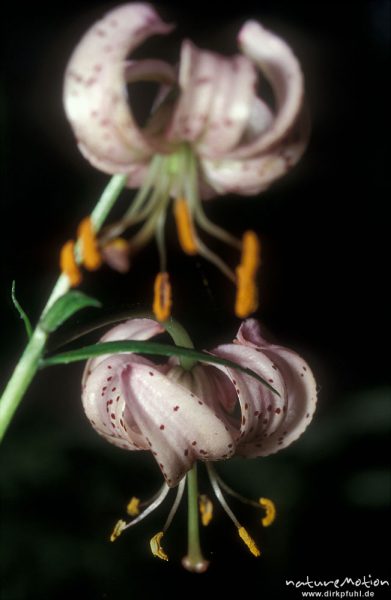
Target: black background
<point x="324" y="233"/>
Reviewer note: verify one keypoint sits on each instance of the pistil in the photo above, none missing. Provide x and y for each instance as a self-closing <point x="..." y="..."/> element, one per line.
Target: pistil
<point x="194" y="560"/>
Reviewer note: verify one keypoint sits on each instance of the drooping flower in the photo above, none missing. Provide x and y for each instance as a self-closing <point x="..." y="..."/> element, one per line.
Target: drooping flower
<point x="209" y="133"/>
<point x="204" y="413"/>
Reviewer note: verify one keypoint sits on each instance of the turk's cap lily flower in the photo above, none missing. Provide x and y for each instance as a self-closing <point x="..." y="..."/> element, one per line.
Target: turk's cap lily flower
<point x="208" y="101"/>
<point x="208" y="413"/>
<point x="209" y="133"/>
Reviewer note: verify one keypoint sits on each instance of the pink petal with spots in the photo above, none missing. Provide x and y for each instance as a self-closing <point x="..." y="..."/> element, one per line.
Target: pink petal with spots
<point x="250" y="176"/>
<point x="280" y="66"/>
<point x="133" y="329"/>
<point x="95" y="96"/>
<point x="261" y="409"/>
<point x="271" y="422"/>
<point x="177" y="424"/>
<point x="215" y="103"/>
<point x="105" y="403"/>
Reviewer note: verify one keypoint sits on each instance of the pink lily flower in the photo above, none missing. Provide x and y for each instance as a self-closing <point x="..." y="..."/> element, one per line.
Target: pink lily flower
<point x="208" y="413"/>
<point x="209" y="133"/>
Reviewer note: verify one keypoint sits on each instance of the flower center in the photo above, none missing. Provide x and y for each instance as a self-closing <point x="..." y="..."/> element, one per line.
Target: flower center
<point x="171" y="179"/>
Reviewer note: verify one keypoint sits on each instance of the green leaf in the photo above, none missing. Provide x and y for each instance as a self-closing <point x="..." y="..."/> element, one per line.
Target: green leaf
<point x="22" y="314"/>
<point x="64" y="308"/>
<point x="142" y="347"/>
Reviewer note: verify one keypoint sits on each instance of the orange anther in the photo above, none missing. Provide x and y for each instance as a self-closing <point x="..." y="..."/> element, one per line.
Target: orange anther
<point x="247" y="291"/>
<point x="162" y="297"/>
<point x="92" y="259"/>
<point x="185" y="228"/>
<point x="69" y="265"/>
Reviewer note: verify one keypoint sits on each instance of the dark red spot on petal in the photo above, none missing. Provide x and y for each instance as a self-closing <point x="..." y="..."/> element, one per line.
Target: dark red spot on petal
<point x="161" y="426"/>
<point x="277" y="411"/>
<point x="175" y="408"/>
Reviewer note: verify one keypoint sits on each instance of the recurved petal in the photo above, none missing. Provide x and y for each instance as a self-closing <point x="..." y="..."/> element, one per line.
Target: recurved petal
<point x="276" y="422"/>
<point x="217" y="94"/>
<point x="178" y="426"/>
<point x="301" y="397"/>
<point x="133" y="329"/>
<point x="95" y="96"/>
<point x="104" y="402"/>
<point x="252" y="175"/>
<point x="278" y="63"/>
<point x="261" y="409"/>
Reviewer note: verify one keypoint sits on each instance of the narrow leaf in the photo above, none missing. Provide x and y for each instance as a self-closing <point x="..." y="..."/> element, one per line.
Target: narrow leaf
<point x="142" y="347"/>
<point x="65" y="307"/>
<point x="22" y="314"/>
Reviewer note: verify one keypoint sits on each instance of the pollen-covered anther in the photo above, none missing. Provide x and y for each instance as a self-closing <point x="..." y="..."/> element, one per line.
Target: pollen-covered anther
<point x="156" y="547"/>
<point x="92" y="259"/>
<point x="118" y="529"/>
<point x="248" y="540"/>
<point x="247" y="291"/>
<point x="206" y="510"/>
<point x="68" y="264"/>
<point x="185" y="227"/>
<point x="270" y="511"/>
<point x="115" y="253"/>
<point x="133" y="507"/>
<point x="162" y="297"/>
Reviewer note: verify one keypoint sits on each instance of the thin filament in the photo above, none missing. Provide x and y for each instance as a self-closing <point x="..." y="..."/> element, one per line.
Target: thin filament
<point x="161" y="496"/>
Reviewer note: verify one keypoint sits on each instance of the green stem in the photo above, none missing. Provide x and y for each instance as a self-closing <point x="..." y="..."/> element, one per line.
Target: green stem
<point x="181" y="338"/>
<point x="28" y="363"/>
<point x="194" y="561"/>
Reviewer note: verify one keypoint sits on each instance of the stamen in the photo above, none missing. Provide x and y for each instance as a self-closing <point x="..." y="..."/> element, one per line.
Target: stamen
<point x="152" y="506"/>
<point x="68" y="264"/>
<point x="115" y="253"/>
<point x="133" y="507"/>
<point x="243" y="533"/>
<point x="176" y="504"/>
<point x="118" y="529"/>
<point x="248" y="540"/>
<point x="156" y="547"/>
<point x="247" y="292"/>
<point x="91" y="255"/>
<point x="270" y="509"/>
<point x="206" y="510"/>
<point x="162" y="297"/>
<point x="185" y="227"/>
